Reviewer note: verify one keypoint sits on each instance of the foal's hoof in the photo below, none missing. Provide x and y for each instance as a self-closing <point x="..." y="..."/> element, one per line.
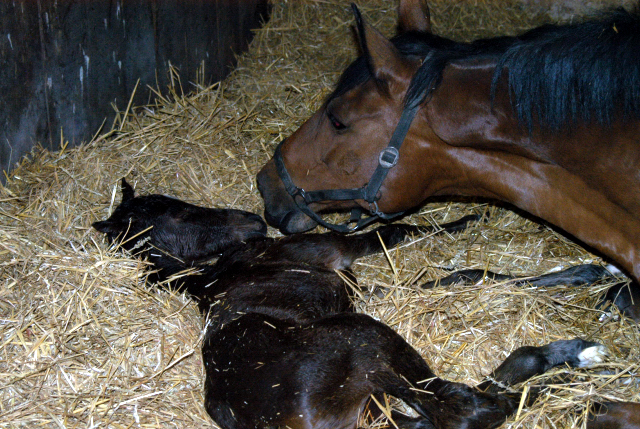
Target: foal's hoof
<point x="592" y="355"/>
<point x="577" y="353"/>
<point x="625" y="296"/>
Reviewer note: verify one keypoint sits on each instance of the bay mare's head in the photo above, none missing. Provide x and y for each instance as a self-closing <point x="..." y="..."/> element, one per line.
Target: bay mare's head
<point x="339" y="146"/>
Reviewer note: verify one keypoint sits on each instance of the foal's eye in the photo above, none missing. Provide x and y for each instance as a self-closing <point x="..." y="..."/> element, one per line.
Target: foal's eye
<point x="335" y="123"/>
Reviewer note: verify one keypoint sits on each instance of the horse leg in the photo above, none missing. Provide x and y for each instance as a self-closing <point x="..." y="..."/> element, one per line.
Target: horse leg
<point x="624" y="295"/>
<point x="337" y="251"/>
<point x="264" y="372"/>
<point x="574" y="276"/>
<point x="528" y="361"/>
<point x="261" y="370"/>
<point x="451" y="405"/>
<point x="466" y="277"/>
<point x="389" y="364"/>
<point x="390" y="235"/>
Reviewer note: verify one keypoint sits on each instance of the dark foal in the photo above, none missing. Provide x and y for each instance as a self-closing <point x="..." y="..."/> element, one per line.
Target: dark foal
<point x="283" y="347"/>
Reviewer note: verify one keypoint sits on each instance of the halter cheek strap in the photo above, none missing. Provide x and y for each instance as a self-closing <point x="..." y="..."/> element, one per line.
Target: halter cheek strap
<point x="387" y="159"/>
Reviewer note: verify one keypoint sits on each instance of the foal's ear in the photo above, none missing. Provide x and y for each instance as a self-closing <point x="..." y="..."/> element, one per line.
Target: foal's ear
<point x="384" y="60"/>
<point x="127" y="190"/>
<point x="414" y="15"/>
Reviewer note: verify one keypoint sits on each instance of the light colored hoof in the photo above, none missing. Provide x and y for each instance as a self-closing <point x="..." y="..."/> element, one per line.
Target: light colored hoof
<point x="591" y="355"/>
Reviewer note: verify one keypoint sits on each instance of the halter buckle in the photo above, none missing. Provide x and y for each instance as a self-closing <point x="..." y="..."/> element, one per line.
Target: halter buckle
<point x="300" y="192"/>
<point x="388" y="157"/>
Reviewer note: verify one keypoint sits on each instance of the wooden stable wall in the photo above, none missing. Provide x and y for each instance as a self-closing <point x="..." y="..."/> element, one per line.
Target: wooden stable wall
<point x="64" y="64"/>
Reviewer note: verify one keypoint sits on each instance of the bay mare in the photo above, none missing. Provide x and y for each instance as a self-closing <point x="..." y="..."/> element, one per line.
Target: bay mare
<point x="548" y="121"/>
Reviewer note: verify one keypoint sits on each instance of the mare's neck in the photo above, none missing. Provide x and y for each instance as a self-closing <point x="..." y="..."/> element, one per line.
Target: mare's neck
<point x="583" y="180"/>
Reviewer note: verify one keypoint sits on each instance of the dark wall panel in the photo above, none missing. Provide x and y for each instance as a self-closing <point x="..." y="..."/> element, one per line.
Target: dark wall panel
<point x="63" y="63"/>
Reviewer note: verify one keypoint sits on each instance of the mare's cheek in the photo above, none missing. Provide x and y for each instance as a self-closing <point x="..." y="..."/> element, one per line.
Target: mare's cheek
<point x="350" y="163"/>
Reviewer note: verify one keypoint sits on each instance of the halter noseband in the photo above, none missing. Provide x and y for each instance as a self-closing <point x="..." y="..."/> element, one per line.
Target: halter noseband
<point x="387" y="159"/>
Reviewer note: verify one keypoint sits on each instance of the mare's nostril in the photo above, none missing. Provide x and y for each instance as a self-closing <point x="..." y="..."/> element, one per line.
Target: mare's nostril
<point x="272" y="220"/>
<point x="295" y="221"/>
<point x="246" y="225"/>
<point x="259" y="227"/>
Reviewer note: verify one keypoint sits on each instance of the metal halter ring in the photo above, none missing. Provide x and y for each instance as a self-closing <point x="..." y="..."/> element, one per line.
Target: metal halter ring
<point x="388" y="157"/>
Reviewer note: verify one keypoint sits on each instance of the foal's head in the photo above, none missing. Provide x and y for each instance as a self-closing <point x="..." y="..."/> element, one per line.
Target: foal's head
<point x="185" y="231"/>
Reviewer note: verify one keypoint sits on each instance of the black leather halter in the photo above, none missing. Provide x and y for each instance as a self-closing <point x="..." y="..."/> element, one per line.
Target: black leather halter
<point x="387" y="159"/>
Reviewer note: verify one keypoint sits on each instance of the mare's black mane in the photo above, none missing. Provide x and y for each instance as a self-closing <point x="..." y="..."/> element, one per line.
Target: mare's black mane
<point x="557" y="74"/>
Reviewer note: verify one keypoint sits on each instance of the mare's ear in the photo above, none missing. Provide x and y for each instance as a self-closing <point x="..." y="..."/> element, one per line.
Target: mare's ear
<point x="414" y="15"/>
<point x="384" y="60"/>
<point x="127" y="190"/>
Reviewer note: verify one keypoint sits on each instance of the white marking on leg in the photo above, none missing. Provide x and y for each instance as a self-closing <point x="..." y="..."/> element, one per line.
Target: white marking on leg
<point x="591" y="355"/>
<point x="614" y="270"/>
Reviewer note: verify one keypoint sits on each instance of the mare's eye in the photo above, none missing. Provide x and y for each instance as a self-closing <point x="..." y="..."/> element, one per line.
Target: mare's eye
<point x="335" y="123"/>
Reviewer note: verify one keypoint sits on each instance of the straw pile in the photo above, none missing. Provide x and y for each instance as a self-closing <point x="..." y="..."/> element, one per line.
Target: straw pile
<point x="85" y="343"/>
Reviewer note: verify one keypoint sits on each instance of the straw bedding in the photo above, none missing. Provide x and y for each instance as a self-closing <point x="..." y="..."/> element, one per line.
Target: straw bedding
<point x="85" y="343"/>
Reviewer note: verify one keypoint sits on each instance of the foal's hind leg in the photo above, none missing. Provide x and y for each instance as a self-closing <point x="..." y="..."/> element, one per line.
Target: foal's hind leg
<point x="449" y="405"/>
<point x="574" y="276"/>
<point x="615" y="415"/>
<point x="526" y="362"/>
<point x="625" y="296"/>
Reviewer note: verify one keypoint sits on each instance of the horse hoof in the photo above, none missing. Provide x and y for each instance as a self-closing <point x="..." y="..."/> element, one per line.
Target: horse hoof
<point x="592" y="355"/>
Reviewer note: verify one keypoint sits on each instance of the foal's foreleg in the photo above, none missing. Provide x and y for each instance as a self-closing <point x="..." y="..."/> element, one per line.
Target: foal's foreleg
<point x="337" y="251"/>
<point x="391" y="235"/>
<point x="394" y="234"/>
